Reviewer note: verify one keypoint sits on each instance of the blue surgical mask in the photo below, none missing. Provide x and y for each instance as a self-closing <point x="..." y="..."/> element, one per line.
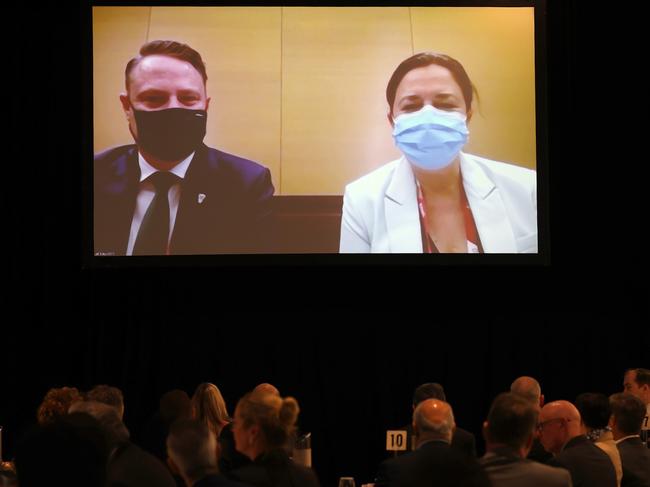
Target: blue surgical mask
<point x="430" y="138"/>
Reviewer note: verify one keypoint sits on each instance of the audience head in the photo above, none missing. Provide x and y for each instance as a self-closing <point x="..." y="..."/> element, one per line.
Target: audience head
<point x="263" y="422"/>
<point x="559" y="422"/>
<point x="433" y="420"/>
<point x="637" y="382"/>
<point x="594" y="410"/>
<point x="191" y="449"/>
<point x="628" y="412"/>
<point x="107" y="417"/>
<point x="528" y="388"/>
<point x="109" y="395"/>
<point x="266" y="388"/>
<point x="175" y="404"/>
<point x="511" y="423"/>
<point x="56" y="403"/>
<point x="70" y="450"/>
<point x="429" y="390"/>
<point x="209" y="407"/>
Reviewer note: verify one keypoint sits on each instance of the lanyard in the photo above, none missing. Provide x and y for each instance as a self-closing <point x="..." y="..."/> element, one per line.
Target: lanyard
<point x="470" y="229"/>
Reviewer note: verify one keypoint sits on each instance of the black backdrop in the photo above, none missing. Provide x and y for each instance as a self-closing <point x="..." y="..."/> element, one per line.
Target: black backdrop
<point x="349" y="343"/>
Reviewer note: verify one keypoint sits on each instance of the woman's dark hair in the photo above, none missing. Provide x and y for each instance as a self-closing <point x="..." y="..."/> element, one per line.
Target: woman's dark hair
<point x="594" y="409"/>
<point x="424" y="59"/>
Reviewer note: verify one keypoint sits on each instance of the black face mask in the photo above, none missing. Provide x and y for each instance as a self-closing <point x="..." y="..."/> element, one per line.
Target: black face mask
<point x="171" y="134"/>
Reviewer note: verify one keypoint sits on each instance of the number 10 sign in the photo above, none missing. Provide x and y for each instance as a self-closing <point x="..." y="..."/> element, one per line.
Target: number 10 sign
<point x="396" y="440"/>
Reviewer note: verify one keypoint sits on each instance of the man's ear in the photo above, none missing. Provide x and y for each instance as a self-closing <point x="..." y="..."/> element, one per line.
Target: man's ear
<point x="470" y="112"/>
<point x="126" y="104"/>
<point x="173" y="467"/>
<point x="207" y="103"/>
<point x="529" y="444"/>
<point x="486" y="429"/>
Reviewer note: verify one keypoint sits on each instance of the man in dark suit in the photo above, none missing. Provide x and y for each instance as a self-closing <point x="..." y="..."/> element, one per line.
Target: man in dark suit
<point x="128" y="465"/>
<point x="169" y="193"/>
<point x="637" y="383"/>
<point x="560" y="432"/>
<point x="528" y="388"/>
<point x="433" y="463"/>
<point x="462" y="440"/>
<point x="628" y="413"/>
<point x="509" y="432"/>
<point x="192" y="451"/>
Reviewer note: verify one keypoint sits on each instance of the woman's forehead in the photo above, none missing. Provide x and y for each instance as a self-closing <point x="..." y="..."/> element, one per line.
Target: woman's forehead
<point x="432" y="78"/>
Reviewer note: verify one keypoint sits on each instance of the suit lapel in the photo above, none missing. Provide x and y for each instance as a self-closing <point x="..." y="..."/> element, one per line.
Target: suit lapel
<point x="198" y="204"/>
<point x="492" y="223"/>
<point x="401" y="211"/>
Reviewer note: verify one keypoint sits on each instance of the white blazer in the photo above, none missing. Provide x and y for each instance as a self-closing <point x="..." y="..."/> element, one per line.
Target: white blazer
<point x="380" y="212"/>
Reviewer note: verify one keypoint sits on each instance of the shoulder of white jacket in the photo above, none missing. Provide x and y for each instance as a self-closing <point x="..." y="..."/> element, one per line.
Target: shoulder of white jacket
<point x="511" y="171"/>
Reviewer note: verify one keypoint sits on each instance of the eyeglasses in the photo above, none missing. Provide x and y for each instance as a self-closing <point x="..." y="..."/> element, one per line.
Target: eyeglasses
<point x="540" y="426"/>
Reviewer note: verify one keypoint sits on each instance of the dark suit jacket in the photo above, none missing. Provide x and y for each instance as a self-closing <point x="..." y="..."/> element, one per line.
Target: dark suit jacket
<point x="216" y="480"/>
<point x="132" y="466"/>
<point x="433" y="464"/>
<point x="230" y="219"/>
<point x="229" y="458"/>
<point x="506" y="469"/>
<point x="589" y="465"/>
<point x="275" y="469"/>
<point x="538" y="453"/>
<point x="635" y="458"/>
<point x="462" y="440"/>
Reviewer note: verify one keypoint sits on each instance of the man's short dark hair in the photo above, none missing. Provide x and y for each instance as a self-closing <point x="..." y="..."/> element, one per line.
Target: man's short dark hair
<point x="642" y="376"/>
<point x="594" y="409"/>
<point x="173" y="49"/>
<point x="187" y="443"/>
<point x="511" y="420"/>
<point x="107" y="416"/>
<point x="69" y="451"/>
<point x="106" y="395"/>
<point x="175" y="404"/>
<point x="430" y="390"/>
<point x="629" y="412"/>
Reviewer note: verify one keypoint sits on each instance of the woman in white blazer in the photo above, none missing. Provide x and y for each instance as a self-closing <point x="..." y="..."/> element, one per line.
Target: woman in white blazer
<point x="436" y="198"/>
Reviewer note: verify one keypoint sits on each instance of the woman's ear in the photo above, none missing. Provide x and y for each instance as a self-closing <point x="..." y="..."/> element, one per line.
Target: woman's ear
<point x="389" y="116"/>
<point x="253" y="434"/>
<point x="469" y="115"/>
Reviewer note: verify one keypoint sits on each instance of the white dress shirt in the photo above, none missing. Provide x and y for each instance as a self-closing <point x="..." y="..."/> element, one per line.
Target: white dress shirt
<point x="147" y="192"/>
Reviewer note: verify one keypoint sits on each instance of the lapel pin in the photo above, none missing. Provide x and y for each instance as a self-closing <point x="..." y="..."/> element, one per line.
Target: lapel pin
<point x="201" y="198"/>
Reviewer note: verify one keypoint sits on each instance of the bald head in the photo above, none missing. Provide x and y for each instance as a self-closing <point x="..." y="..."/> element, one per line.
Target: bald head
<point x="528" y="388"/>
<point x="433" y="420"/>
<point x="266" y="388"/>
<point x="559" y="422"/>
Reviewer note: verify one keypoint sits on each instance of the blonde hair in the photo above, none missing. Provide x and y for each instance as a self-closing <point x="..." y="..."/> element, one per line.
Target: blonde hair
<point x="209" y="407"/>
<point x="275" y="416"/>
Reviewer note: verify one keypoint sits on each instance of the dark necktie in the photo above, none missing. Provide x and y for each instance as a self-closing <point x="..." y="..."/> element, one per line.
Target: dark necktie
<point x="154" y="231"/>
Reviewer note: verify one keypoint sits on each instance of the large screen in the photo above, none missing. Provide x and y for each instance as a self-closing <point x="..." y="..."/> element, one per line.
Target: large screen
<point x="302" y="130"/>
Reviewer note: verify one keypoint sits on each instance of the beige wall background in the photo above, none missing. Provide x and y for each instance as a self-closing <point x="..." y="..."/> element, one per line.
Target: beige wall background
<point x="302" y="89"/>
